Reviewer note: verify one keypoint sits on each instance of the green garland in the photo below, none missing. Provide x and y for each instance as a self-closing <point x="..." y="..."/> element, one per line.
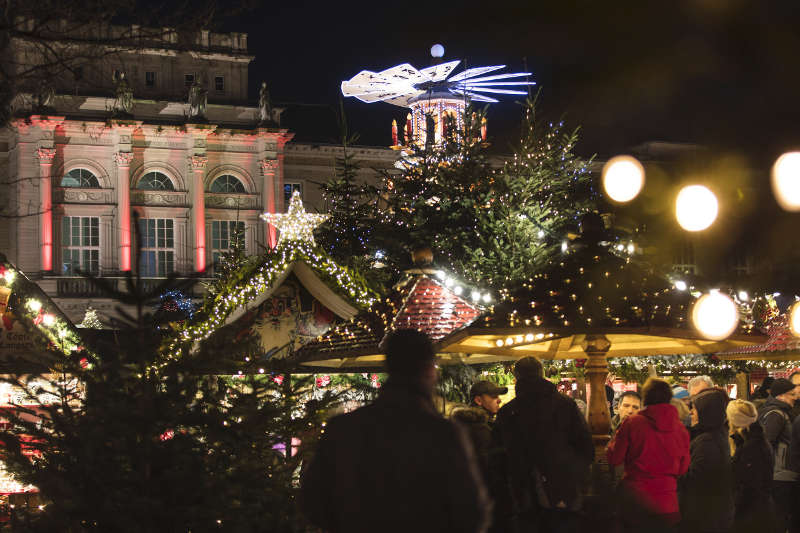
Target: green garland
<point x="244" y="286"/>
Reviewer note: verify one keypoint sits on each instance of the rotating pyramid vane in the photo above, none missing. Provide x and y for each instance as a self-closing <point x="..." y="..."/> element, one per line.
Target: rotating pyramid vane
<point x="432" y="92"/>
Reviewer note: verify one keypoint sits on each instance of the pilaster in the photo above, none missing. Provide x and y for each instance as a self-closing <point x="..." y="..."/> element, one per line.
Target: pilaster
<point x="123" y="160"/>
<point x="269" y="168"/>
<point x="45" y="157"/>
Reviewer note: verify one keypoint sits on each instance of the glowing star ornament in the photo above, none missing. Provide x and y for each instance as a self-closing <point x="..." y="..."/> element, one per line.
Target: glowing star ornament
<point x="295" y="225"/>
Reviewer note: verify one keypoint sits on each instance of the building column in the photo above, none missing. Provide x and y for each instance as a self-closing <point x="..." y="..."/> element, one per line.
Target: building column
<point x="279" y="186"/>
<point x="46" y="156"/>
<point x="123" y="160"/>
<point x="198" y="163"/>
<point x="268" y="170"/>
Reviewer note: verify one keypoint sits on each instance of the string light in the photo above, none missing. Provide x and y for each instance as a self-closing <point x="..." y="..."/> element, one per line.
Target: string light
<point x="295" y="224"/>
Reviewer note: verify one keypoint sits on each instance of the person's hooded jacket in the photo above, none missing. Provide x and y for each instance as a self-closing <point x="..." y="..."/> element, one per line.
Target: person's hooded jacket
<point x="653" y="445"/>
<point x="395" y="466"/>
<point x="546" y="448"/>
<point x="707" y="489"/>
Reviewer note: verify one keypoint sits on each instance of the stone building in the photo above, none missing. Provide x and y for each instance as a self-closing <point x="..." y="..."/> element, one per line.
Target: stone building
<point x="174" y="144"/>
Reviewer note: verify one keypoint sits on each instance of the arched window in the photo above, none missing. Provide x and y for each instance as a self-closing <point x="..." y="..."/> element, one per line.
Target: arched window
<point x="227" y="183"/>
<point x="155" y="181"/>
<point x="80" y="177"/>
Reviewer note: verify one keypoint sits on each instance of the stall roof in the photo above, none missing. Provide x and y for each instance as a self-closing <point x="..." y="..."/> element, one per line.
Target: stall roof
<point x="419" y="302"/>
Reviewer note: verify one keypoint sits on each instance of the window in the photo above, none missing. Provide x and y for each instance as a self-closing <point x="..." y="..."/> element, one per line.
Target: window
<point x="155" y="181"/>
<point x="149" y="79"/>
<point x="741" y="263"/>
<point x="188" y="80"/>
<point x="219" y="83"/>
<point x="288" y="191"/>
<point x="227" y="183"/>
<point x="80" y="245"/>
<point x="684" y="260"/>
<point x="158" y="247"/>
<point x="80" y="177"/>
<point x="224" y="236"/>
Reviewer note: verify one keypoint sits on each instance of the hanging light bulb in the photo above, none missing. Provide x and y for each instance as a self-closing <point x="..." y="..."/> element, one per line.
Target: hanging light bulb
<point x="623" y="178"/>
<point x="715" y="316"/>
<point x="696" y="207"/>
<point x="786" y="181"/>
<point x="794" y="319"/>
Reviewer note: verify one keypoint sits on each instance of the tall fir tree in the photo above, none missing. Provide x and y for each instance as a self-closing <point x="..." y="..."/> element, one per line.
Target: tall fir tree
<point x="493" y="224"/>
<point x="540" y="195"/>
<point x="347" y="234"/>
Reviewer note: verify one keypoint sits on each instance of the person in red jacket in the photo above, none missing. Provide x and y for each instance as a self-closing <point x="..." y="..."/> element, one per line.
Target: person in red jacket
<point x="654" y="447"/>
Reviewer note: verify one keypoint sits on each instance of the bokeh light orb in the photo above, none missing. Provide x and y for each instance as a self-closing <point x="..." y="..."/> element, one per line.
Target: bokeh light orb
<point x="715" y="316"/>
<point x="786" y="181"/>
<point x="696" y="207"/>
<point x="794" y="319"/>
<point x="623" y="178"/>
<point x="437" y="50"/>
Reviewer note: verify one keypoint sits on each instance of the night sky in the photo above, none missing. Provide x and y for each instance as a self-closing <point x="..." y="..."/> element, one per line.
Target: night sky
<point x="723" y="73"/>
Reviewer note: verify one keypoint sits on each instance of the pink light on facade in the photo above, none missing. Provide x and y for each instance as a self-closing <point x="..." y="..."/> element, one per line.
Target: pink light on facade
<point x="268" y="169"/>
<point x="198" y="163"/>
<point x="123" y="160"/>
<point x="46" y="156"/>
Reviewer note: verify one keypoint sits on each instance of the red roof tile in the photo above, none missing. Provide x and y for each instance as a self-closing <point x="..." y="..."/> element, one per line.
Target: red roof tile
<point x="423" y="304"/>
<point x="434" y="309"/>
<point x="779" y="339"/>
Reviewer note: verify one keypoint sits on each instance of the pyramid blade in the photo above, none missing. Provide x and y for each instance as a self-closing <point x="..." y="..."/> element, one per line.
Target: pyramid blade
<point x="477" y="97"/>
<point x="469" y="84"/>
<point x="498" y="91"/>
<point x="500" y="76"/>
<point x="440" y="72"/>
<point x="472" y="72"/>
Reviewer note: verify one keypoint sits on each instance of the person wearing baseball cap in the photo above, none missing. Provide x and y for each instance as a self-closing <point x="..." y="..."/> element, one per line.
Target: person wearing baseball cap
<point x="486" y="395"/>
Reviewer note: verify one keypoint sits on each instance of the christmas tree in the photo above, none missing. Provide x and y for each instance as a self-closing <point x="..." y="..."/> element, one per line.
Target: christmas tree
<point x="90" y="320"/>
<point x="492" y="224"/>
<point x="128" y="434"/>
<point x="347" y="234"/>
<point x="537" y="200"/>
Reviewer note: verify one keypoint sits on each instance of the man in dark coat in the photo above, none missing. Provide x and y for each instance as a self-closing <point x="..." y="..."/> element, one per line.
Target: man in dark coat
<point x="775" y="417"/>
<point x="397" y="465"/>
<point x="478" y="418"/>
<point x="546" y="452"/>
<point x="707" y="488"/>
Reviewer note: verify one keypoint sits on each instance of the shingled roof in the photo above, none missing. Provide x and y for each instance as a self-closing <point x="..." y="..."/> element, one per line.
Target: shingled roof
<point x="418" y="302"/>
<point x="780" y="343"/>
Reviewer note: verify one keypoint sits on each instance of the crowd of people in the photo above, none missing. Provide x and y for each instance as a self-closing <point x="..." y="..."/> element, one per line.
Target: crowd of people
<point x="686" y="459"/>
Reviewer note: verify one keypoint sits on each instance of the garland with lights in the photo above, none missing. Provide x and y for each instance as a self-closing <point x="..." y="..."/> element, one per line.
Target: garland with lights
<point x="21" y="297"/>
<point x="242" y="287"/>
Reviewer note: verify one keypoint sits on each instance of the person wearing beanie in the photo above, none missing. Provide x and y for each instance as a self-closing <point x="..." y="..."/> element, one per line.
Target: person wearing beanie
<point x="775" y="418"/>
<point x="653" y="445"/>
<point x="545" y="450"/>
<point x="752" y="464"/>
<point x="707" y="489"/>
